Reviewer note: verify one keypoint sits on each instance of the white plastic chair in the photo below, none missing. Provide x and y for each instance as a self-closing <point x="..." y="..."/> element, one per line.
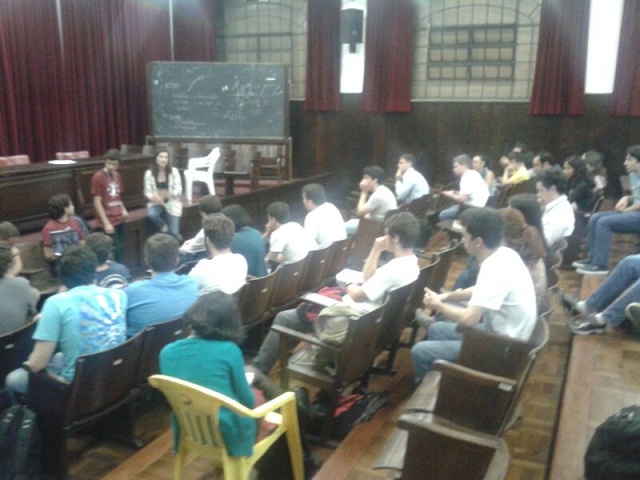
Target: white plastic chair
<point x="201" y="169"/>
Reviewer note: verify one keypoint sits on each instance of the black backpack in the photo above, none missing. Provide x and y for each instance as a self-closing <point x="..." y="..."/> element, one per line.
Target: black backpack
<point x="20" y="444"/>
<point x="614" y="450"/>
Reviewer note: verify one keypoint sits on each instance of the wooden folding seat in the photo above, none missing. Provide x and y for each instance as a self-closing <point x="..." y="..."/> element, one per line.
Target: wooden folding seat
<point x="439" y="274"/>
<point x="362" y="241"/>
<point x="100" y="394"/>
<point x="340" y="250"/>
<point x="15" y="348"/>
<point x="154" y="338"/>
<point x="353" y="359"/>
<point x="255" y="299"/>
<point x="314" y="273"/>
<point x="288" y="282"/>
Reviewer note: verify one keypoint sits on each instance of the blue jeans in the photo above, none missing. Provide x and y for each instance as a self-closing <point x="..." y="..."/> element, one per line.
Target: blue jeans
<point x="17" y="382"/>
<point x="600" y="228"/>
<point x="443" y="343"/>
<point x="352" y="226"/>
<point x="449" y="213"/>
<point x="163" y="221"/>
<point x="621" y="288"/>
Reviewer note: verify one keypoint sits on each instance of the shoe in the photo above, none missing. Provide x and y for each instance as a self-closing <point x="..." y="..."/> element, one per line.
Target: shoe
<point x="569" y="304"/>
<point x="633" y="314"/>
<point x="581" y="263"/>
<point x="587" y="326"/>
<point x="592" y="270"/>
<point x="423" y="319"/>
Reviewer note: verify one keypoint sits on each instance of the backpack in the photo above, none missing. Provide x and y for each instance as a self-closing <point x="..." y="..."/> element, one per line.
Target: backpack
<point x="20" y="444"/>
<point x="614" y="450"/>
<point x="331" y="327"/>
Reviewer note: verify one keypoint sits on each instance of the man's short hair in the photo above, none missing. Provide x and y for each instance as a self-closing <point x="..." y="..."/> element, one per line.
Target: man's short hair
<point x="219" y="230"/>
<point x="78" y="266"/>
<point x="634" y="151"/>
<point x="404" y="225"/>
<point x="113" y="154"/>
<point x="485" y="223"/>
<point x="239" y="215"/>
<point x="280" y="211"/>
<point x="555" y="178"/>
<point x="409" y="157"/>
<point x="57" y="204"/>
<point x="314" y="192"/>
<point x="8" y="230"/>
<point x="161" y="251"/>
<point x="547" y="157"/>
<point x="100" y="244"/>
<point x="210" y="204"/>
<point x="515" y="157"/>
<point x="375" y="172"/>
<point x="6" y="257"/>
<point x="463" y="159"/>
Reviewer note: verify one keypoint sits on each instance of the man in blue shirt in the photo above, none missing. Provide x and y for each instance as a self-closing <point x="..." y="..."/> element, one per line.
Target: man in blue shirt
<point x="166" y="295"/>
<point x="83" y="320"/>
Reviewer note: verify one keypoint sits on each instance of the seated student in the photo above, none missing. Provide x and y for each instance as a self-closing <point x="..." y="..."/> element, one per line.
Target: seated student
<point x="61" y="212"/>
<point x="85" y="319"/>
<point x="580" y="186"/>
<point x="166" y="295"/>
<point x="195" y="249"/>
<point x="473" y="189"/>
<point x="624" y="219"/>
<point x="410" y="184"/>
<point x="481" y="164"/>
<point x="109" y="274"/>
<point x="18" y="298"/>
<point x="558" y="218"/>
<point x="516" y="172"/>
<point x="288" y="241"/>
<point x="247" y="241"/>
<point x="375" y="198"/>
<point x="401" y="232"/>
<point x="598" y="173"/>
<point x="324" y="221"/>
<point x="224" y="271"/>
<point x="502" y="300"/>
<point x="9" y="233"/>
<point x="605" y="308"/>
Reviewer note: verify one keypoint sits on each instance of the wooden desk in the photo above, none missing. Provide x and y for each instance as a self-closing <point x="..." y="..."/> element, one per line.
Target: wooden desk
<point x="26" y="189"/>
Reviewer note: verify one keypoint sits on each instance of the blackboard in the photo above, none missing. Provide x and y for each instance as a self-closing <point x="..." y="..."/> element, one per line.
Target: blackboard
<point x="218" y="100"/>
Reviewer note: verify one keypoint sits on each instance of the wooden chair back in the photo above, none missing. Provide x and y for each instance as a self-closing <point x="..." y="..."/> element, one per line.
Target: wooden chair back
<point x="441" y="271"/>
<point x="255" y="299"/>
<point x="154" y="338"/>
<point x="314" y="273"/>
<point x="15" y="348"/>
<point x="414" y="300"/>
<point x="288" y="281"/>
<point x="392" y="323"/>
<point x="340" y="250"/>
<point x="197" y="411"/>
<point x="362" y="241"/>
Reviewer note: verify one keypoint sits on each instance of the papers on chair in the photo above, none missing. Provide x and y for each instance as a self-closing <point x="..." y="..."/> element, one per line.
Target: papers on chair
<point x="320" y="299"/>
<point x="62" y="162"/>
<point x="456" y="226"/>
<point x="349" y="276"/>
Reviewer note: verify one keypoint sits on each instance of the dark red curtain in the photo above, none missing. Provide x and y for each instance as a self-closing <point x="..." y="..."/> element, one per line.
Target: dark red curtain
<point x="558" y="87"/>
<point x="107" y="45"/>
<point x="625" y="100"/>
<point x="388" y="56"/>
<point x="194" y="38"/>
<point x="34" y="110"/>
<point x="323" y="56"/>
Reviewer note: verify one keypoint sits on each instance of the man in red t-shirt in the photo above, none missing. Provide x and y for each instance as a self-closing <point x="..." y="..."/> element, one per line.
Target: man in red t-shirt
<point x="68" y="230"/>
<point x="106" y="188"/>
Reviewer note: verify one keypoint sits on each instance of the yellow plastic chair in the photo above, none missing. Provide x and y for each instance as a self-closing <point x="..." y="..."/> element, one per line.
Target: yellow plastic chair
<point x="197" y="411"/>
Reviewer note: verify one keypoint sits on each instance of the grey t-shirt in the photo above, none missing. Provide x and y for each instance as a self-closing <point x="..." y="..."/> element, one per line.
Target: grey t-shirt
<point x="17" y="303"/>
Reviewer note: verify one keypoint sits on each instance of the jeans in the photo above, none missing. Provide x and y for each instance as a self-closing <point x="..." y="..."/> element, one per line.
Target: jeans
<point x="352" y="226"/>
<point x="443" y="343"/>
<point x="449" y="213"/>
<point x="268" y="353"/>
<point x="164" y="222"/>
<point x="621" y="288"/>
<point x="17" y="382"/>
<point x="600" y="228"/>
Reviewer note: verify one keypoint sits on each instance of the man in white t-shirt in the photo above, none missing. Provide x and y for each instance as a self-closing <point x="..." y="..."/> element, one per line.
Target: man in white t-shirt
<point x="558" y="217"/>
<point x="324" y="221"/>
<point x="410" y="184"/>
<point x="194" y="248"/>
<point x="375" y="198"/>
<point x="288" y="241"/>
<point x="503" y="299"/>
<point x="224" y="271"/>
<point x="401" y="232"/>
<point x="473" y="189"/>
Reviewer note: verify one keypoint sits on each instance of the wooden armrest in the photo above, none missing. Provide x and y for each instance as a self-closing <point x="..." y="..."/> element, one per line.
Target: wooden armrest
<point x="471" y="375"/>
<point x="419" y="422"/>
<point x="303" y="337"/>
<point x="28" y="272"/>
<point x="424" y="398"/>
<point x="47" y="392"/>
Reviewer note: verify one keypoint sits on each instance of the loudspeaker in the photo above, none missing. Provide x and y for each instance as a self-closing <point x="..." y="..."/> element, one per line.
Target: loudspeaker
<point x="351" y="21"/>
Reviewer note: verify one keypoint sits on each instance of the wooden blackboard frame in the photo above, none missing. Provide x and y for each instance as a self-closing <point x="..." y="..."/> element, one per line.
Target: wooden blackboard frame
<point x="203" y="100"/>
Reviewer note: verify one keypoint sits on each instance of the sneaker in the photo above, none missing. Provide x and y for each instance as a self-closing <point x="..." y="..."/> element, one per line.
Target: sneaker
<point x="569" y="304"/>
<point x="581" y="263"/>
<point x="587" y="326"/>
<point x="423" y="319"/>
<point x="592" y="270"/>
<point x="633" y="314"/>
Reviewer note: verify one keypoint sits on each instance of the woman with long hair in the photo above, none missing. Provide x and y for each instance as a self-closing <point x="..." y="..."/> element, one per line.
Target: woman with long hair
<point x="581" y="186"/>
<point x="163" y="189"/>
